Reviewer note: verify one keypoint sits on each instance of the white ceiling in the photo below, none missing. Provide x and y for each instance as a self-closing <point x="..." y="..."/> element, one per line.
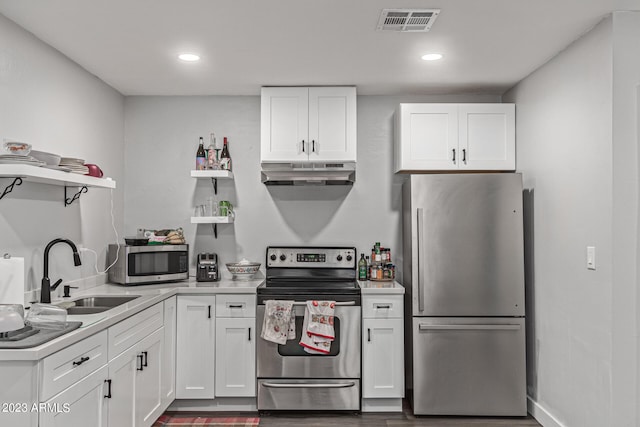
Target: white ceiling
<point x="489" y="45"/>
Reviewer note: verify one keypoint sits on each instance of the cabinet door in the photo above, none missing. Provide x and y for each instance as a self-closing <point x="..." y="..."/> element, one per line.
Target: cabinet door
<point x="235" y="357"/>
<point x="427" y="137"/>
<point x="122" y="377"/>
<point x="148" y="398"/>
<point x="332" y="123"/>
<point x="487" y="136"/>
<point x="80" y="405"/>
<point x="195" y="363"/>
<point x="383" y="358"/>
<point x="284" y="124"/>
<point x="169" y="360"/>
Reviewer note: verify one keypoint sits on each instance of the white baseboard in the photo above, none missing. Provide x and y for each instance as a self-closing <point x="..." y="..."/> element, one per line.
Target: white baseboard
<point x="382" y="405"/>
<point x="242" y="404"/>
<point x="541" y="415"/>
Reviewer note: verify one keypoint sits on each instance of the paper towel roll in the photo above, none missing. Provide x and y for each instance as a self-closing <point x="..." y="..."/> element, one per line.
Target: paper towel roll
<point x="12" y="280"/>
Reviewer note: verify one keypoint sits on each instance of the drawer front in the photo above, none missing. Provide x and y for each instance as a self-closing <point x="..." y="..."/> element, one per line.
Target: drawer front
<point x="130" y="331"/>
<point x="70" y="365"/>
<point x="235" y="306"/>
<point x="382" y="307"/>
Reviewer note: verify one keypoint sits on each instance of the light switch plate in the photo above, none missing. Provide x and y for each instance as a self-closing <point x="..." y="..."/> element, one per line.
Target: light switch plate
<point x="591" y="257"/>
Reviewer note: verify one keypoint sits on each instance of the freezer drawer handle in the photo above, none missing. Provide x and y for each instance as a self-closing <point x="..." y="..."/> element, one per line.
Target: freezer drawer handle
<point x="420" y="256"/>
<point x="302" y="385"/>
<point x="469" y="327"/>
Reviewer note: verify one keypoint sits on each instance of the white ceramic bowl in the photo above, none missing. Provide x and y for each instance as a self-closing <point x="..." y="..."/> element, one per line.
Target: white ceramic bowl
<point x="49" y="158"/>
<point x="243" y="270"/>
<point x="17" y="148"/>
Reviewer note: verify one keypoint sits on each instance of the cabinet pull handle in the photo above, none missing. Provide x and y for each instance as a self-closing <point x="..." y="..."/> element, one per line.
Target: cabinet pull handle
<point x="249" y="334"/>
<point x="108" y="395"/>
<point x="464" y="155"/>
<point x="235" y="305"/>
<point x="81" y="361"/>
<point x="313" y="145"/>
<point x="454" y="155"/>
<point x="303" y="145"/>
<point x="146" y="359"/>
<point x="380" y="306"/>
<point x="369" y="334"/>
<point x="209" y="315"/>
<point x="141" y="366"/>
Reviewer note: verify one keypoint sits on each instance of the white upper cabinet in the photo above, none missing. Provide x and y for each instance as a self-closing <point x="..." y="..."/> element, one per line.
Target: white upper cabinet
<point x="308" y="124"/>
<point x="446" y="137"/>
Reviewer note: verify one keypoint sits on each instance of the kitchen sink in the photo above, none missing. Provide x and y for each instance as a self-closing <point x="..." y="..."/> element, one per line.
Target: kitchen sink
<point x="97" y="304"/>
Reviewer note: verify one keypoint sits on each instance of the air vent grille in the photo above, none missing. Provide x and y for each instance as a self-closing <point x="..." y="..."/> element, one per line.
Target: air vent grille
<point x="407" y="20"/>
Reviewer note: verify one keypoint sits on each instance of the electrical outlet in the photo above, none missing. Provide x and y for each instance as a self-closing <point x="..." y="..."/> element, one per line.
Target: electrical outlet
<point x="591" y="257"/>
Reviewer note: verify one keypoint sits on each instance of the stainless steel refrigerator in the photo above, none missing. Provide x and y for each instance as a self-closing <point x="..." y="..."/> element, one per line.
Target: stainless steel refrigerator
<point x="464" y="277"/>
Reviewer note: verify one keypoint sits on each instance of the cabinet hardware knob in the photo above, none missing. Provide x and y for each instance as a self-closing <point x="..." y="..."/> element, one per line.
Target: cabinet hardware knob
<point x="81" y="361"/>
<point x="108" y="395"/>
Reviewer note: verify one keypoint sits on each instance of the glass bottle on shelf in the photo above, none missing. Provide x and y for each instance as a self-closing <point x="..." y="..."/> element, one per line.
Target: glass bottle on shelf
<point x="225" y="157"/>
<point x="212" y="154"/>
<point x="362" y="268"/>
<point x="201" y="156"/>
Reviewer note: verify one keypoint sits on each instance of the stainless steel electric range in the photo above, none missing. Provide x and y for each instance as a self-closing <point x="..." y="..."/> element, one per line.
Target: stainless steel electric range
<point x="289" y="378"/>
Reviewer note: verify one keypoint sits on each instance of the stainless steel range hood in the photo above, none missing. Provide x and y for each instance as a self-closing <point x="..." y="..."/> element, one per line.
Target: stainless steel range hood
<point x="324" y="173"/>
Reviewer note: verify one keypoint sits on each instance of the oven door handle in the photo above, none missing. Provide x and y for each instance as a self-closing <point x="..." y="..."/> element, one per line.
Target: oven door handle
<point x="302" y="385"/>
<point x="337" y="304"/>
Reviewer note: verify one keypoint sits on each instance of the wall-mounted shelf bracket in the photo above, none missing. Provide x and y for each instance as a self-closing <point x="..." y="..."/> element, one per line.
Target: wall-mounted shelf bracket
<point x="76" y="196"/>
<point x="9" y="188"/>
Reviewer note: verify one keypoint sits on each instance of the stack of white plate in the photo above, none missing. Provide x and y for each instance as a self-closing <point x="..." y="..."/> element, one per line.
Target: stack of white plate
<point x="75" y="165"/>
<point x="15" y="159"/>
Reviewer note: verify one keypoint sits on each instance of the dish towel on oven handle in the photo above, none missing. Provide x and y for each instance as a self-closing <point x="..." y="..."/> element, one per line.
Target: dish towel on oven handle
<point x="279" y="323"/>
<point x="317" y="329"/>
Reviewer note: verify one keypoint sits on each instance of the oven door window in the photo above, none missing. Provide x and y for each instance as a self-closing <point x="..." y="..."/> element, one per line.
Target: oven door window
<point x="153" y="263"/>
<point x="293" y="348"/>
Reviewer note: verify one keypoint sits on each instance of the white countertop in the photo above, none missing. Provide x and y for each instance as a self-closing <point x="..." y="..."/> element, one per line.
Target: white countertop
<point x="380" y="287"/>
<point x="149" y="295"/>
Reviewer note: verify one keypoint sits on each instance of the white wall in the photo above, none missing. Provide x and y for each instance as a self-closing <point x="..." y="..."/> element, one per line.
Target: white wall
<point x="161" y="136"/>
<point x="577" y="148"/>
<point x="52" y="103"/>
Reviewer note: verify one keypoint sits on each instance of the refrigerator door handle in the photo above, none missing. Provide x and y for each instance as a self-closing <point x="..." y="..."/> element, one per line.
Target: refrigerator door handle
<point x="496" y="327"/>
<point x="420" y="255"/>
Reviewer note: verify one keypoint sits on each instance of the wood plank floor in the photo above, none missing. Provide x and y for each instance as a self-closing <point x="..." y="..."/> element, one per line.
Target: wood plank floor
<point x="405" y="419"/>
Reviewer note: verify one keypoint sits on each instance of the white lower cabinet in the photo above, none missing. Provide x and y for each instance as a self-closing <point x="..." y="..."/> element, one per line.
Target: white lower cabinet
<point x="133" y="389"/>
<point x="80" y="405"/>
<point x="235" y="357"/>
<point x="382" y="353"/>
<point x="195" y="357"/>
<point x="383" y="358"/>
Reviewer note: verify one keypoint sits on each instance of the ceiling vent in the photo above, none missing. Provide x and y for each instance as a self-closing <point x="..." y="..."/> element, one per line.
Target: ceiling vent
<point x="407" y="20"/>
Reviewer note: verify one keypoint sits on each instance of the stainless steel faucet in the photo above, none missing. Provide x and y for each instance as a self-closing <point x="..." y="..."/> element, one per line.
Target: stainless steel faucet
<point x="46" y="288"/>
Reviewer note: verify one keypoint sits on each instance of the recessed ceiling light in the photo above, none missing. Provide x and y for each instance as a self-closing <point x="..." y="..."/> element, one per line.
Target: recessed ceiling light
<point x="432" y="56"/>
<point x="189" y="57"/>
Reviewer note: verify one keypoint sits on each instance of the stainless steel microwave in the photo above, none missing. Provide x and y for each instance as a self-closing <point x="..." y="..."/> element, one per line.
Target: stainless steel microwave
<point x="139" y="265"/>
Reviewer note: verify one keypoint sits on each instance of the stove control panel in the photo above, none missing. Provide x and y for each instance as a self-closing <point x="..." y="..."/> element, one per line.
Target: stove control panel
<point x="321" y="257"/>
